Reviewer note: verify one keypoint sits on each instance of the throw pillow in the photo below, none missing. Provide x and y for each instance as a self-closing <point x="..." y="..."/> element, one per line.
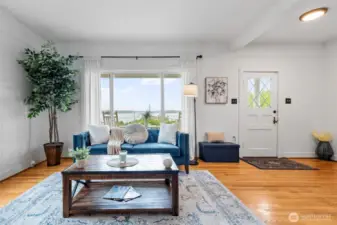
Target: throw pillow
<point x="99" y="134"/>
<point x="215" y="136"/>
<point x="135" y="134"/>
<point x="167" y="133"/>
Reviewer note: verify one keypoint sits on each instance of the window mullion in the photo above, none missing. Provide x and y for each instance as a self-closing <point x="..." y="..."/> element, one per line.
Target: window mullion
<point x="162" y="97"/>
<point x="111" y="90"/>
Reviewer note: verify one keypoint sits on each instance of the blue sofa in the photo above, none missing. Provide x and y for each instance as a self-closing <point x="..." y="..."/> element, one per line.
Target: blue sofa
<point x="179" y="152"/>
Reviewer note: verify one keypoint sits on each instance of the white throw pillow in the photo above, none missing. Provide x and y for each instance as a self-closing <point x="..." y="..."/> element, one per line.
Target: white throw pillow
<point x="99" y="134"/>
<point x="167" y="133"/>
<point x="135" y="134"/>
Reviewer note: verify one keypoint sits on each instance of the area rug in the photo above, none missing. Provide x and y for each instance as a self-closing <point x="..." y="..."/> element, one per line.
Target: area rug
<point x="265" y="163"/>
<point x="203" y="201"/>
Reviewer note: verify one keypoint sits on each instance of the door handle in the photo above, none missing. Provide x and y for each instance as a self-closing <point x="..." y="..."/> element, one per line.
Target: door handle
<point x="275" y="121"/>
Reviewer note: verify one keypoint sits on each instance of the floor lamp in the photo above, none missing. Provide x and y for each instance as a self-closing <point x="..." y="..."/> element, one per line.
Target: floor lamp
<point x="191" y="90"/>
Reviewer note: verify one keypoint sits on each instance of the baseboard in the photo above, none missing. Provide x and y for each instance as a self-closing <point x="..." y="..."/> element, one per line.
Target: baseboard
<point x="12" y="171"/>
<point x="16" y="167"/>
<point x="299" y="154"/>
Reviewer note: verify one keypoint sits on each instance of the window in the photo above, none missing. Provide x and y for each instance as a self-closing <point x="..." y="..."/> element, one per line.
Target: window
<point x="105" y="100"/>
<point x="133" y="96"/>
<point x="259" y="92"/>
<point x="146" y="99"/>
<point x="172" y="98"/>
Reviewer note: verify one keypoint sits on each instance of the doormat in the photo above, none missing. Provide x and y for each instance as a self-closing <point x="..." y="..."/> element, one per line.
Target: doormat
<point x="266" y="163"/>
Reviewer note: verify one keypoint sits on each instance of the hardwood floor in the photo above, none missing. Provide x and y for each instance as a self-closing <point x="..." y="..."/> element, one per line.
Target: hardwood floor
<point x="271" y="195"/>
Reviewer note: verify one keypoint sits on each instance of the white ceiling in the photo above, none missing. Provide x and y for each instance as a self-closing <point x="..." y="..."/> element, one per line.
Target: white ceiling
<point x="116" y="20"/>
<point x="291" y="30"/>
<point x="228" y="21"/>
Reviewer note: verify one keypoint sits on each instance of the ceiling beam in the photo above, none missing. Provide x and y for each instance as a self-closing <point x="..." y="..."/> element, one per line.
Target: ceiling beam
<point x="263" y="23"/>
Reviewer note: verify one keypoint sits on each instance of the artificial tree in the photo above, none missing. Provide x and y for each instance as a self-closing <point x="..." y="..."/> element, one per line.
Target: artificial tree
<point x="53" y="89"/>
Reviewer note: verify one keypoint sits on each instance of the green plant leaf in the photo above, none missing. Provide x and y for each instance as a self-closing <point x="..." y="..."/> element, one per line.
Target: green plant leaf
<point x="52" y="80"/>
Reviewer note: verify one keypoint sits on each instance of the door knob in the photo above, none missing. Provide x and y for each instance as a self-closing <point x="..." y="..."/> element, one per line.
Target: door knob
<point x="275" y="121"/>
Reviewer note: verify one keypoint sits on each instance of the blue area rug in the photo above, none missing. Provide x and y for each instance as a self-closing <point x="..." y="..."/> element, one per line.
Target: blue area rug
<point x="203" y="201"/>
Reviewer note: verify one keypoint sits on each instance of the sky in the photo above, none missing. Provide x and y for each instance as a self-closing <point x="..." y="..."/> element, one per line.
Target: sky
<point x="140" y="93"/>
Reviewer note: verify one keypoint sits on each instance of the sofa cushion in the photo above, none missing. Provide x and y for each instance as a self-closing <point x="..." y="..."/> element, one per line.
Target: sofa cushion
<point x="126" y="146"/>
<point x="100" y="149"/>
<point x="99" y="134"/>
<point x="153" y="136"/>
<point x="167" y="133"/>
<point x="135" y="134"/>
<point x="148" y="148"/>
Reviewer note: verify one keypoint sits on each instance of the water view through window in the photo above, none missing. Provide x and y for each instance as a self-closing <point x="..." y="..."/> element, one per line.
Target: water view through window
<point x="138" y="99"/>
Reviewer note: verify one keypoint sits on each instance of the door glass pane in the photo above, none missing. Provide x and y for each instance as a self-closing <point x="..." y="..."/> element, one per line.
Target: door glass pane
<point x="172" y="98"/>
<point x="259" y="92"/>
<point x="105" y="116"/>
<point x="134" y="95"/>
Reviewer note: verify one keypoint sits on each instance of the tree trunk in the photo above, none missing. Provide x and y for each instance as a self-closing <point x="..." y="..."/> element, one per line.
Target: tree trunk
<point x="50" y="116"/>
<point x="53" y="128"/>
<point x="54" y="133"/>
<point x="57" y="139"/>
<point x="53" y="149"/>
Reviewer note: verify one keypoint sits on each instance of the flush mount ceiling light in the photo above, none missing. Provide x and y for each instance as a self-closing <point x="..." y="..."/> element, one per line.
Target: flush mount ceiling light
<point x="313" y="14"/>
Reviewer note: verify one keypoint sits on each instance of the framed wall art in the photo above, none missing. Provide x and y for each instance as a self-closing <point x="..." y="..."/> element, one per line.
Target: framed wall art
<point x="216" y="90"/>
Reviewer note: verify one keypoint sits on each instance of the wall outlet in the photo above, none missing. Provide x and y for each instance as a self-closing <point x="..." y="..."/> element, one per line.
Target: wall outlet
<point x="32" y="163"/>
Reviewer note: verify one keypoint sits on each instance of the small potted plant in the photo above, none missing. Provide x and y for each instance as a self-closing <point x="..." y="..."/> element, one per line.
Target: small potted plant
<point x="81" y="156"/>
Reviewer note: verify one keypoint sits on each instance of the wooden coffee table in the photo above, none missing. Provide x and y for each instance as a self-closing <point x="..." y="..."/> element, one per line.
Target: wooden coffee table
<point x="158" y="186"/>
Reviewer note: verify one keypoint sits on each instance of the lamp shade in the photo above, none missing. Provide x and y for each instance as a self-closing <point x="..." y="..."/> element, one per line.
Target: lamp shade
<point x="191" y="90"/>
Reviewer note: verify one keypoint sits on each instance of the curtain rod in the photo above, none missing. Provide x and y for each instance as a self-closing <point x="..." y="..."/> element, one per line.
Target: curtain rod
<point x="137" y="57"/>
<point x="143" y="57"/>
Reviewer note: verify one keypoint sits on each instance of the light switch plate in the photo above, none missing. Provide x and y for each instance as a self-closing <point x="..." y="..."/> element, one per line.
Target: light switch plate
<point x="234" y="101"/>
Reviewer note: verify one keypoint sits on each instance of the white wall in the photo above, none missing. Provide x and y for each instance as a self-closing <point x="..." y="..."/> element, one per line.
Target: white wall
<point x="331" y="108"/>
<point x="20" y="138"/>
<point x="302" y="76"/>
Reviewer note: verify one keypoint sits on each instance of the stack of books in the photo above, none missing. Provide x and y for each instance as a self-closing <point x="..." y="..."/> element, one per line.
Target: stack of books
<point x="122" y="193"/>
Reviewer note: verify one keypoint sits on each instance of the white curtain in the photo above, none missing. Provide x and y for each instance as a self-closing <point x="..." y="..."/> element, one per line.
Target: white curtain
<point x="187" y="123"/>
<point x="90" y="93"/>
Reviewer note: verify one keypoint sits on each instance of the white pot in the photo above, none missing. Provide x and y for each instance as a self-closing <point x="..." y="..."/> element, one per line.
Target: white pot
<point x="81" y="163"/>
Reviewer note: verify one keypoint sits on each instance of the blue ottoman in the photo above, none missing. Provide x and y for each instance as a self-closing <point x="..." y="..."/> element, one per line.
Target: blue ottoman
<point x="219" y="152"/>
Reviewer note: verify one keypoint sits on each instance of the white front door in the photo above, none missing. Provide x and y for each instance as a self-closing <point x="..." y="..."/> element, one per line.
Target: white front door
<point x="258" y="114"/>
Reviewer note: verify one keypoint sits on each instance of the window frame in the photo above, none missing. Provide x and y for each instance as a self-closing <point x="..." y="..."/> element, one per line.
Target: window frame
<point x="143" y="74"/>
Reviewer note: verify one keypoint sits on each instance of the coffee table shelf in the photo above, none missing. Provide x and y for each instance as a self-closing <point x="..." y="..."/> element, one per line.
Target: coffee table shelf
<point x="156" y="197"/>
